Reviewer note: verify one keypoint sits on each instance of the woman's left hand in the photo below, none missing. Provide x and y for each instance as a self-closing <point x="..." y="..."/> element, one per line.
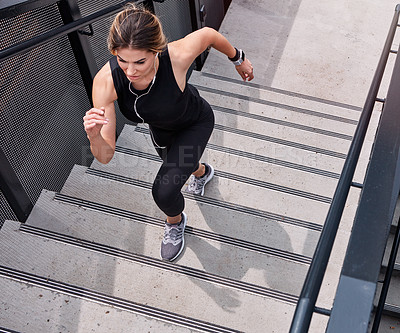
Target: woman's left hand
<point x="245" y="70"/>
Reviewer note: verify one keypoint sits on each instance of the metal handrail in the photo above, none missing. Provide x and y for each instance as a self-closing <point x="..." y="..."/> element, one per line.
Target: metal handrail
<point x="34" y="42"/>
<point x="312" y="285"/>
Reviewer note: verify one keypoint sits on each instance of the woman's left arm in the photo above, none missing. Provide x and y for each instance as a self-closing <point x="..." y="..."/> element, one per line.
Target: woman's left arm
<point x="187" y="49"/>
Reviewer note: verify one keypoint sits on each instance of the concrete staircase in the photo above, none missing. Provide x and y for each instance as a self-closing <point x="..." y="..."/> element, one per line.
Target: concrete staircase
<point x="87" y="259"/>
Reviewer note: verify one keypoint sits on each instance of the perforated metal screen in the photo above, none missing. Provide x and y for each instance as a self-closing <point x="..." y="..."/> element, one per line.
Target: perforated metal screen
<point x="6" y="213"/>
<point x="43" y="98"/>
<point x="98" y="41"/>
<point x="175" y="18"/>
<point x="42" y="101"/>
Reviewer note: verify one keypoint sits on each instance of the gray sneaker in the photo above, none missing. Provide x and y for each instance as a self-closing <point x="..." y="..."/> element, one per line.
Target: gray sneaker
<point x="196" y="185"/>
<point x="173" y="241"/>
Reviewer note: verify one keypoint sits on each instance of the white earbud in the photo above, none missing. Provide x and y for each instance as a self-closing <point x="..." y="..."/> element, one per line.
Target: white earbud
<point x="137" y="98"/>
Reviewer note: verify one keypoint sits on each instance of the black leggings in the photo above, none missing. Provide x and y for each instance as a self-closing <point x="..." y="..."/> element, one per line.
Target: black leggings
<point x="180" y="159"/>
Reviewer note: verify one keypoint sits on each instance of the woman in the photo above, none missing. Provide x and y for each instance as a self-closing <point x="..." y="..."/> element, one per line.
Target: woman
<point x="147" y="76"/>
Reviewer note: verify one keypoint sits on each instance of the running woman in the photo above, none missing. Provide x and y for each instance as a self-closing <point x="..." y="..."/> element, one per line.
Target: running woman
<point x="147" y="77"/>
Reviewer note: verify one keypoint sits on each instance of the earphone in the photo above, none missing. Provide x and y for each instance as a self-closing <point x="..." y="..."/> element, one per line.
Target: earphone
<point x="137" y="98"/>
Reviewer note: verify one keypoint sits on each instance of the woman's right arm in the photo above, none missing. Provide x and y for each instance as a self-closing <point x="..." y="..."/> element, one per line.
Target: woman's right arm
<point x="100" y="121"/>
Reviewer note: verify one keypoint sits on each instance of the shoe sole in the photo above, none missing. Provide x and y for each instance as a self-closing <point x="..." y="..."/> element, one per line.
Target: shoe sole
<point x="208" y="179"/>
<point x="183" y="240"/>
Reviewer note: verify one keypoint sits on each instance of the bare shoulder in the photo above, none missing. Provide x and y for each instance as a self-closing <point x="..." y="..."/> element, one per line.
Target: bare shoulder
<point x="177" y="51"/>
<point x="185" y="50"/>
<point x="103" y="86"/>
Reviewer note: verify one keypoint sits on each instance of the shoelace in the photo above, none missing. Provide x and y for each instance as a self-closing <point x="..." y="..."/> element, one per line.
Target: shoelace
<point x="196" y="183"/>
<point x="172" y="234"/>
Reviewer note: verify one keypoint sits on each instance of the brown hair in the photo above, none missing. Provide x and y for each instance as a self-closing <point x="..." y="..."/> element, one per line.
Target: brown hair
<point x="136" y="28"/>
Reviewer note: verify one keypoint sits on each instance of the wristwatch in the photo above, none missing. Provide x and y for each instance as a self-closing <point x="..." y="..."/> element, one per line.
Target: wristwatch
<point x="238" y="58"/>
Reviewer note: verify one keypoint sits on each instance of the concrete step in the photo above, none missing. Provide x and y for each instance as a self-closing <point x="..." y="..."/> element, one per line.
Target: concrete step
<point x="274" y="148"/>
<point x="326" y="125"/>
<point x="208" y="246"/>
<point x="271" y="96"/>
<point x="144" y="280"/>
<point x="221" y="191"/>
<point x="389" y="324"/>
<point x="323" y="123"/>
<point x="134" y="142"/>
<point x="218" y="215"/>
<point x="32" y="304"/>
<point x="229" y="187"/>
<point x="283" y="130"/>
<point x="293" y="176"/>
<point x="275" y="154"/>
<point x="144" y="166"/>
<point x="291" y="119"/>
<point x="139" y="233"/>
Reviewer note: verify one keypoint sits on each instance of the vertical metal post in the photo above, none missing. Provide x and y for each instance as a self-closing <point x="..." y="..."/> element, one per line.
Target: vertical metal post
<point x="13" y="190"/>
<point x="70" y="12"/>
<point x="195" y="26"/>
<point x="388" y="276"/>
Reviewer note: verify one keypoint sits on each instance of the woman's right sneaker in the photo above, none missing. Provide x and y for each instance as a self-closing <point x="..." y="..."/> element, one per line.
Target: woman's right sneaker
<point x="196" y="184"/>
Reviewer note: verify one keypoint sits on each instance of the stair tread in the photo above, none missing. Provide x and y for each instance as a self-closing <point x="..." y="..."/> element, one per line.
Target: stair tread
<point x="281" y="159"/>
<point x="220" y="189"/>
<point x="197" y="207"/>
<point x="160" y="285"/>
<point x="268" y="109"/>
<point x="307" y="135"/>
<point x="115" y="226"/>
<point x="43" y="309"/>
<point x="273" y="95"/>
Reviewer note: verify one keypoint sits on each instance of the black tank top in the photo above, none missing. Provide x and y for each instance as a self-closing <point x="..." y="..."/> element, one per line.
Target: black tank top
<point x="164" y="106"/>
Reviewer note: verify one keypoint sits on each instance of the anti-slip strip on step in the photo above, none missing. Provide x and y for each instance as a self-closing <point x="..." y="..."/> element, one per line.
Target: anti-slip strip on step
<point x="161" y="264"/>
<point x="115" y="302"/>
<point x="237" y="178"/>
<point x="280" y="141"/>
<point x="281" y="91"/>
<point x="278" y="105"/>
<point x="270" y="186"/>
<point x="271" y="160"/>
<point x="261" y="158"/>
<point x="240" y="243"/>
<point x="210" y="201"/>
<point x="5" y="330"/>
<point x="283" y="123"/>
<point x="392" y="310"/>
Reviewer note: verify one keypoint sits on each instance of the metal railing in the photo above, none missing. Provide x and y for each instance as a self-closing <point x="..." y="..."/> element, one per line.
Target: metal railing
<point x="34" y="42"/>
<point x="308" y="297"/>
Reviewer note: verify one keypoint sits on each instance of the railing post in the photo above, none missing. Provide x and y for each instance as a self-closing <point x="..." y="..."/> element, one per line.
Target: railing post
<point x="13" y="190"/>
<point x="80" y="45"/>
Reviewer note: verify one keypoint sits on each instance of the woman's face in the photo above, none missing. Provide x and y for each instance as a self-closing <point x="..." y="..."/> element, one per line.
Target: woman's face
<point x="138" y="65"/>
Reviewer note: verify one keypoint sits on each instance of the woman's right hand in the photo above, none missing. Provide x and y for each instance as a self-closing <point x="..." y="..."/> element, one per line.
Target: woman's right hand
<point x="93" y="122"/>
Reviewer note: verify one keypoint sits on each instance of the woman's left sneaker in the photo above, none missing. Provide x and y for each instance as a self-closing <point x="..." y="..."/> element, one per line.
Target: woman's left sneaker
<point x="196" y="184"/>
<point x="173" y="241"/>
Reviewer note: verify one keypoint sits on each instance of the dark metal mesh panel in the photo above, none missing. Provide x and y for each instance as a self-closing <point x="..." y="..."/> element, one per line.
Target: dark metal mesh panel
<point x="175" y="18"/>
<point x="98" y="41"/>
<point x="6" y="212"/>
<point x="42" y="102"/>
<point x="28" y="25"/>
